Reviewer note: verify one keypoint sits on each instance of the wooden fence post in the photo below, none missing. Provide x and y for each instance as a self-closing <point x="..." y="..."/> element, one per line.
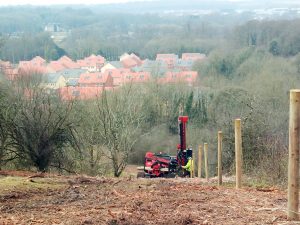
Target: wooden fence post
<point x="192" y="174"/>
<point x="293" y="168"/>
<point x="191" y="170"/>
<point x="220" y="136"/>
<point x="206" y="161"/>
<point x="238" y="153"/>
<point x="199" y="161"/>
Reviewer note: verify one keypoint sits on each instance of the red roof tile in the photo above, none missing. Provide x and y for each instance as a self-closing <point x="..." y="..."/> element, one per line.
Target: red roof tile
<point x="122" y="76"/>
<point x="95" y="79"/>
<point x="55" y="66"/>
<point x="136" y="58"/>
<point x="96" y="58"/>
<point x="38" y="60"/>
<point x="136" y="77"/>
<point x="92" y="61"/>
<point x="169" y="59"/>
<point x="65" y="59"/>
<point x="68" y="63"/>
<point x="29" y="69"/>
<point x="129" y="62"/>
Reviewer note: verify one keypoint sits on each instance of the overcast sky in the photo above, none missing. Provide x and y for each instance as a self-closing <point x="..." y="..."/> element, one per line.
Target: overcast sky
<point x="56" y="2"/>
<point x="65" y="2"/>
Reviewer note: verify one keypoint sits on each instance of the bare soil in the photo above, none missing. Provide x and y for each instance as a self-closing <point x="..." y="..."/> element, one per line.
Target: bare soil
<point x="88" y="200"/>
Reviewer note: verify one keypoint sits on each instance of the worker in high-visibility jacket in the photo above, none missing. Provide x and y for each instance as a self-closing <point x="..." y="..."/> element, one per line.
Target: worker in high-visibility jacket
<point x="187" y="168"/>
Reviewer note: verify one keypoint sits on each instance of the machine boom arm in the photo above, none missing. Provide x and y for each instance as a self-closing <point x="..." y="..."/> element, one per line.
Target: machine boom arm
<point x="182" y="131"/>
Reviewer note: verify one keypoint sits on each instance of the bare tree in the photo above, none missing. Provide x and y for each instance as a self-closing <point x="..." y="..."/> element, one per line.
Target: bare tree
<point x="120" y="120"/>
<point x="41" y="127"/>
<point x="7" y="145"/>
<point x="88" y="137"/>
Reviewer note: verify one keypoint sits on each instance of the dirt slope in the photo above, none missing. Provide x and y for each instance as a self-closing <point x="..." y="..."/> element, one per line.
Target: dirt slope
<point x="82" y="200"/>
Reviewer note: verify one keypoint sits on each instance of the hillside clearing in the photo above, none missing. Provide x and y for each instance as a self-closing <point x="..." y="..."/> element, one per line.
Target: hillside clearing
<point x="87" y="200"/>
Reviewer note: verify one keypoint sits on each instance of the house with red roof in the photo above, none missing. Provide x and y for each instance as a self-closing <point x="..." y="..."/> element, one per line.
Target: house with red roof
<point x="124" y="56"/>
<point x="38" y="61"/>
<point x="93" y="63"/>
<point x="137" y="59"/>
<point x="55" y="66"/>
<point x="68" y="63"/>
<point x="130" y="61"/>
<point x="169" y="59"/>
<point x="63" y="63"/>
<point x="65" y="59"/>
<point x="123" y="76"/>
<point x="136" y="77"/>
<point x="133" y="56"/>
<point x="35" y="66"/>
<point x="27" y="68"/>
<point x="97" y="79"/>
<point x="117" y="75"/>
<point x="35" y="62"/>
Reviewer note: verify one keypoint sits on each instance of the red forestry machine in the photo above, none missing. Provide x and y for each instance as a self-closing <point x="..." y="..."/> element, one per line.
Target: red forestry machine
<point x="164" y="165"/>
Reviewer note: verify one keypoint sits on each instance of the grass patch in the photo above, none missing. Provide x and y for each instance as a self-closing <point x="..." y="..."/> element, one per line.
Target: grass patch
<point x="9" y="184"/>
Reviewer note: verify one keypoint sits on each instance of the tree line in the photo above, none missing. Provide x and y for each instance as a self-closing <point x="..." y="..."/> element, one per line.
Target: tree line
<point x="103" y="135"/>
<point x="111" y="34"/>
<point x="94" y="136"/>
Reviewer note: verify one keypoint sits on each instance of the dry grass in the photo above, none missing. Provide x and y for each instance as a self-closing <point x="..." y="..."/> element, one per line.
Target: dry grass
<point x="23" y="184"/>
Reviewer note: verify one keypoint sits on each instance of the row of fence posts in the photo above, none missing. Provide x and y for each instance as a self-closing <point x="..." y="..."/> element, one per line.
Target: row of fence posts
<point x="238" y="157"/>
<point x="293" y="164"/>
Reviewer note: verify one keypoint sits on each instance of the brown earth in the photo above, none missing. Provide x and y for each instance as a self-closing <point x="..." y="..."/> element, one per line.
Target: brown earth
<point x="87" y="200"/>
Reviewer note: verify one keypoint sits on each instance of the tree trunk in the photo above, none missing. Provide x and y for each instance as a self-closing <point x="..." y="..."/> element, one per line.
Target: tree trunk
<point x="92" y="161"/>
<point x="42" y="160"/>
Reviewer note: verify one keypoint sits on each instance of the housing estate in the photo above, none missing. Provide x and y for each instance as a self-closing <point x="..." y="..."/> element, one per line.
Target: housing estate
<point x="88" y="77"/>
